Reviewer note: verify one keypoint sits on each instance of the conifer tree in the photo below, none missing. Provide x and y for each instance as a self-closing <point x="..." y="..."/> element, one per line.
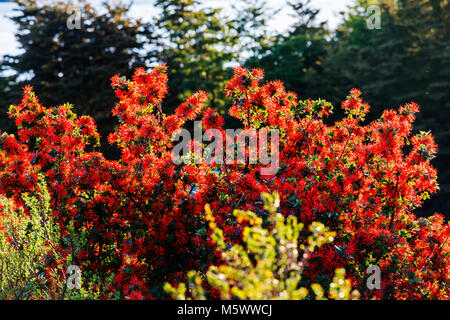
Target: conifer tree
<point x="251" y="20"/>
<point x="70" y="51"/>
<point x="297" y="56"/>
<point x="406" y="59"/>
<point x="196" y="45"/>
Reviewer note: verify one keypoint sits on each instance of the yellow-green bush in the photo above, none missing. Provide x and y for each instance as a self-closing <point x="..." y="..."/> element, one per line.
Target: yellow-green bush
<point x="33" y="255"/>
<point x="270" y="262"/>
<point x="27" y="243"/>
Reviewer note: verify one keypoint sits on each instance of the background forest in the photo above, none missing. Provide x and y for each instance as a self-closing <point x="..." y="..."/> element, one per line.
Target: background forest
<point x="406" y="59"/>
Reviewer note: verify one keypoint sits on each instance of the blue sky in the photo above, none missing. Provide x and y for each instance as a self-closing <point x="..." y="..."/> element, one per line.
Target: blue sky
<point x="145" y="9"/>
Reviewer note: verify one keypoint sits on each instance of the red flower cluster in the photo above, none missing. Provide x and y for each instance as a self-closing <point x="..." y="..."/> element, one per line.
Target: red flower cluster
<point x="143" y="214"/>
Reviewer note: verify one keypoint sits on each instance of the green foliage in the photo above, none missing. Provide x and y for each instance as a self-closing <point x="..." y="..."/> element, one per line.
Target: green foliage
<point x="268" y="264"/>
<point x="297" y="57"/>
<point x="72" y="65"/>
<point x="406" y="60"/>
<point x="195" y="43"/>
<point x="250" y="24"/>
<point x="32" y="264"/>
<point x="27" y="246"/>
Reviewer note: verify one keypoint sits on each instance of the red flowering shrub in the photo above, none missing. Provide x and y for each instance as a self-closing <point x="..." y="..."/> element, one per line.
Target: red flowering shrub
<point x="141" y="217"/>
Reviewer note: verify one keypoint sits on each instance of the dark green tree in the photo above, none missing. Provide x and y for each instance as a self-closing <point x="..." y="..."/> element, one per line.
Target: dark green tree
<point x="69" y="64"/>
<point x="296" y="57"/>
<point x="250" y="23"/>
<point x="196" y="43"/>
<point x="406" y="59"/>
<point x="374" y="60"/>
<point x="428" y="81"/>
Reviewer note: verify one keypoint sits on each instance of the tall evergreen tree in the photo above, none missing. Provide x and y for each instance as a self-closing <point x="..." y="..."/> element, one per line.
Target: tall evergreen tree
<point x="196" y="44"/>
<point x="75" y="65"/>
<point x="366" y="58"/>
<point x="251" y="19"/>
<point x="407" y="59"/>
<point x="427" y="23"/>
<point x="297" y="56"/>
